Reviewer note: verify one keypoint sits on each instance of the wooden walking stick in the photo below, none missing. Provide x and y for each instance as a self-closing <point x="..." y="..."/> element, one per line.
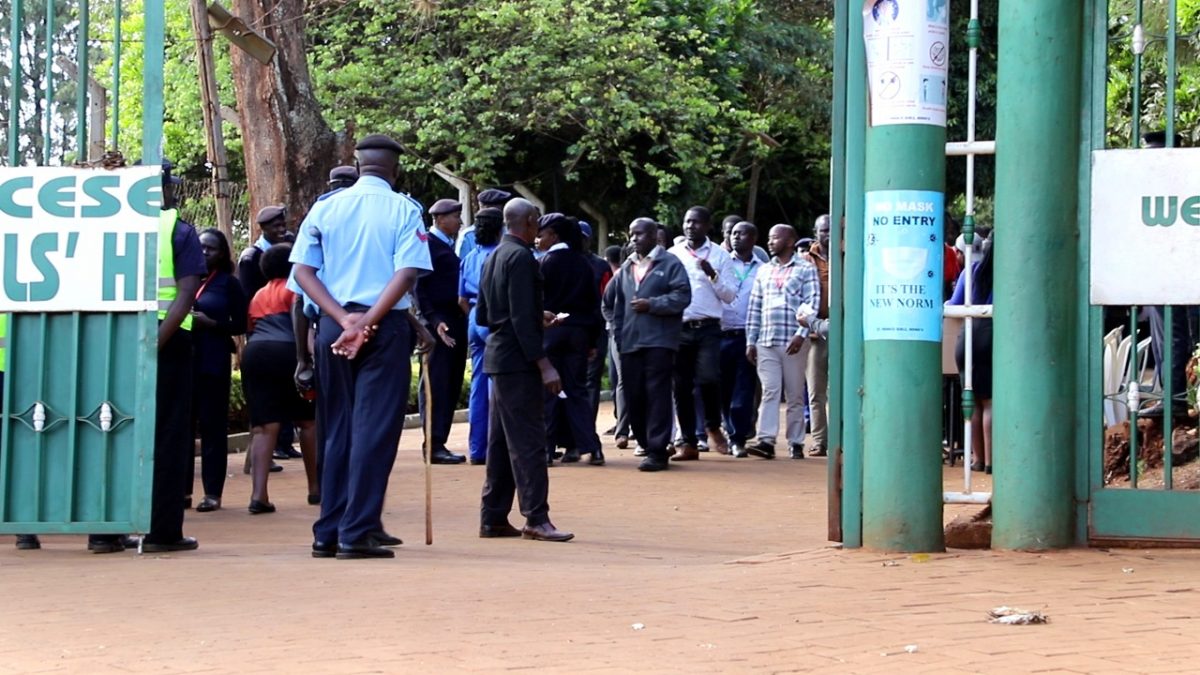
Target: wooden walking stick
<point x="429" y="403"/>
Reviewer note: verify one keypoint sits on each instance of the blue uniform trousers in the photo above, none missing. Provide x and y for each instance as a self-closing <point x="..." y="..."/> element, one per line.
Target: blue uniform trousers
<point x="362" y="402"/>
<point x="738" y="383"/>
<point x="477" y="406"/>
<point x="446" y="365"/>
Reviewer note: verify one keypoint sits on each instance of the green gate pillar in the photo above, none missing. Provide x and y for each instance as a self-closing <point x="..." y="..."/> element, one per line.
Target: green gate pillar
<point x="1036" y="268"/>
<point x="902" y="380"/>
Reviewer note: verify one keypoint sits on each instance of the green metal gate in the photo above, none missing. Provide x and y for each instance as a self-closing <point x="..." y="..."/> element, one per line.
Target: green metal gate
<point x="77" y="419"/>
<point x="1134" y="75"/>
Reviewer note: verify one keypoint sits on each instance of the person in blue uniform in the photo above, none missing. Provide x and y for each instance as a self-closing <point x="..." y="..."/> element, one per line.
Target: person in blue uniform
<point x="340" y="178"/>
<point x="489" y="223"/>
<point x="510" y="305"/>
<point x="358" y="255"/>
<point x="488" y="199"/>
<point x="437" y="300"/>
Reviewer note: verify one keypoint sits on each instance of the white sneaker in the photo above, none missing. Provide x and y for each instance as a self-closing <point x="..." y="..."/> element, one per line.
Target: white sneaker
<point x="639" y="451"/>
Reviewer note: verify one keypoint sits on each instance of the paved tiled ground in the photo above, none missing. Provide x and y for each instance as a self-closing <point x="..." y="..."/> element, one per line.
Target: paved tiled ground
<point x="723" y="564"/>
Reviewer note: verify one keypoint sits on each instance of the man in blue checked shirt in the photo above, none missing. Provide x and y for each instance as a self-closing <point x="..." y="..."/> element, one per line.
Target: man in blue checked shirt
<point x="776" y="342"/>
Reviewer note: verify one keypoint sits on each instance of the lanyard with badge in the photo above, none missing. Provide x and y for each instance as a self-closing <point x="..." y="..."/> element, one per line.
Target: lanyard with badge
<point x="779" y="276"/>
<point x="747" y="267"/>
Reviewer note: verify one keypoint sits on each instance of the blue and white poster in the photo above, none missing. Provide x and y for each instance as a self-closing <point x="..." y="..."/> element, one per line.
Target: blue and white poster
<point x="902" y="291"/>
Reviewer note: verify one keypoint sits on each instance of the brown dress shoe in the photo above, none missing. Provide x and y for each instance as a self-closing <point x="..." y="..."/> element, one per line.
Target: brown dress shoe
<point x="717" y="442"/>
<point x="546" y="532"/>
<point x="686" y="453"/>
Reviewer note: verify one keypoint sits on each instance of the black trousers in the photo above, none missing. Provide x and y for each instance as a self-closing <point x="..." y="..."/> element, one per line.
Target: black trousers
<point x="174" y="447"/>
<point x="647" y="374"/>
<point x="698" y="363"/>
<point x="446" y="366"/>
<point x="363" y="402"/>
<point x="595" y="374"/>
<point x="210" y="406"/>
<point x="516" y="455"/>
<point x="567" y="348"/>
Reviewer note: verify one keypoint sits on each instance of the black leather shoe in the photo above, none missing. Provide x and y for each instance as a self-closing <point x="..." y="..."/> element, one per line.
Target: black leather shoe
<point x="381" y="538"/>
<point x="130" y="541"/>
<point x="29" y="542"/>
<point x="761" y="449"/>
<point x="653" y="464"/>
<point x="256" y="507"/>
<point x="478" y="461"/>
<point x="796" y="451"/>
<point x="819" y="451"/>
<point x="185" y="544"/>
<point x="597" y="458"/>
<point x="276" y="468"/>
<point x="314" y="500"/>
<point x="208" y="504"/>
<point x="571" y="456"/>
<point x="545" y="532"/>
<point x="322" y="549"/>
<point x="363" y="549"/>
<point x="444" y="456"/>
<point x="498" y="531"/>
<point x="105" y="544"/>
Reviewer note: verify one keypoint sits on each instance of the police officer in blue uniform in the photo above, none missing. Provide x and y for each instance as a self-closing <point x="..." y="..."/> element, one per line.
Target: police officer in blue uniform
<point x="488" y="199"/>
<point x="437" y="299"/>
<point x="358" y="255"/>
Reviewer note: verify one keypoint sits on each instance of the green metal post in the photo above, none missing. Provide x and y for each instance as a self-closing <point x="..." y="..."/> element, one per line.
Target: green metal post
<point x="152" y="82"/>
<point x="116" y="76"/>
<point x="15" y="88"/>
<point x="837" y="204"/>
<point x="1036" y="264"/>
<point x="851" y="325"/>
<point x="902" y="383"/>
<point x="48" y="141"/>
<point x="81" y="84"/>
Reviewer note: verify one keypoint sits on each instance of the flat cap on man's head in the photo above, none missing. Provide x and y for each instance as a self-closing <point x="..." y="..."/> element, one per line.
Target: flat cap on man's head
<point x="443" y="206"/>
<point x="343" y="173"/>
<point x="379" y="142"/>
<point x="585" y="228"/>
<point x="268" y="213"/>
<point x="494" y="197"/>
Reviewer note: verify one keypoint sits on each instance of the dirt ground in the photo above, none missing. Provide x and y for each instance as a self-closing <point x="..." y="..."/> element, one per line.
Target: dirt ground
<point x="718" y="566"/>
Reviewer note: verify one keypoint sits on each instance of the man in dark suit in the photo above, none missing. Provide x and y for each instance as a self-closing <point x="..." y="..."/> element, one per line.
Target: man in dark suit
<point x="510" y="305"/>
<point x="437" y="298"/>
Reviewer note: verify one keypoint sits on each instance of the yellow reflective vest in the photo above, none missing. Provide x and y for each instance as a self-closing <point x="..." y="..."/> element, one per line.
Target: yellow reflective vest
<point x="167" y="291"/>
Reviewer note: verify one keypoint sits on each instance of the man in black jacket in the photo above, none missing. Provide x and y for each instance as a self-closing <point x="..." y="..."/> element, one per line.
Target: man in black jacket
<point x="646" y="301"/>
<point x="437" y="299"/>
<point x="510" y="305"/>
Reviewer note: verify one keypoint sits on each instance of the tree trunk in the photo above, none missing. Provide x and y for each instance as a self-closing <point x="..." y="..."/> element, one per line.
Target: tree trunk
<point x="288" y="146"/>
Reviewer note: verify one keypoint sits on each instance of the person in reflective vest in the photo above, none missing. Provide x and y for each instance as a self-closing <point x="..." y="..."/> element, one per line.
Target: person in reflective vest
<point x="180" y="267"/>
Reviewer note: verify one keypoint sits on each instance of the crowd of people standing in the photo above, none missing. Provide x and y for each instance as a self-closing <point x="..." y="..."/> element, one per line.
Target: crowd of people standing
<point x="704" y="342"/>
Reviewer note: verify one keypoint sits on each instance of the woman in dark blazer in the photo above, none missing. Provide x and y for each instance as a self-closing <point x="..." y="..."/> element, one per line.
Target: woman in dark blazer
<point x="218" y="314"/>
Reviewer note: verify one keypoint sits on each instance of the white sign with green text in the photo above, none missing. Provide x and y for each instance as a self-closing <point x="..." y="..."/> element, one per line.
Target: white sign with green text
<point x="79" y="239"/>
<point x="1145" y="227"/>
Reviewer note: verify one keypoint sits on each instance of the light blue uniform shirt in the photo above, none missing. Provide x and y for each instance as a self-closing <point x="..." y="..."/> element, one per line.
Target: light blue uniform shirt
<point x="471" y="271"/>
<point x="466" y="242"/>
<point x="357" y="239"/>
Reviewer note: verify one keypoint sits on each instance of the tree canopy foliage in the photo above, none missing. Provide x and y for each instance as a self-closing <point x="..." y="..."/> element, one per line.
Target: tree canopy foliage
<point x="632" y="106"/>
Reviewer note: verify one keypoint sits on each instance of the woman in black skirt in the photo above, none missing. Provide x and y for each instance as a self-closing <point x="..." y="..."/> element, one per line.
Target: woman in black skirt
<point x="218" y="315"/>
<point x="268" y="367"/>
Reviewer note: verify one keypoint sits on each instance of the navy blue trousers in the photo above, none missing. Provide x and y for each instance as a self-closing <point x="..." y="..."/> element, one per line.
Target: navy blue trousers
<point x="567" y="348"/>
<point x="738" y="383"/>
<point x="362" y="402"/>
